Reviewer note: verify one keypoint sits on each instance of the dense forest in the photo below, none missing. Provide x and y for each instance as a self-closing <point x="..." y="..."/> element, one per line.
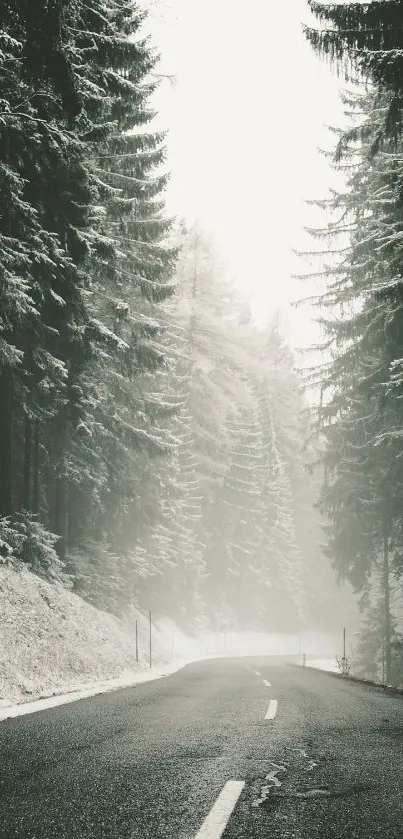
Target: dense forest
<point x="152" y="440"/>
<point x="359" y="271"/>
<point x="155" y="446"/>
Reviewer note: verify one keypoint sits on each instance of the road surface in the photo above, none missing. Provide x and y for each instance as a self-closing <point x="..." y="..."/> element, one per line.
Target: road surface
<point x="240" y="748"/>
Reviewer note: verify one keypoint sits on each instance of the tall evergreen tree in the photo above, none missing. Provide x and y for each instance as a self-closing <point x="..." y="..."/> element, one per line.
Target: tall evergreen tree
<point x="367" y="37"/>
<point x="83" y="232"/>
<point x="359" y="416"/>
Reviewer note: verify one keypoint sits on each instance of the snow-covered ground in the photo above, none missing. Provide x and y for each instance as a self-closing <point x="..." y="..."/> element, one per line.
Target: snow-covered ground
<point x="55" y="648"/>
<point x="129" y="679"/>
<point x="313" y="644"/>
<point x="52" y="642"/>
<point x="329" y="664"/>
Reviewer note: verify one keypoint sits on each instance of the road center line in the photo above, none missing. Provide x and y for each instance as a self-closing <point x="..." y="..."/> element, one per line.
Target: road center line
<point x="268" y="684"/>
<point x="214" y="825"/>
<point x="257" y="673"/>
<point x="272" y="710"/>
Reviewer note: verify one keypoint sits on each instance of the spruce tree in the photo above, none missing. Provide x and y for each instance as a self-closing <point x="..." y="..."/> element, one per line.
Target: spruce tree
<point x="360" y="412"/>
<point x="82" y="235"/>
<point x="367" y="37"/>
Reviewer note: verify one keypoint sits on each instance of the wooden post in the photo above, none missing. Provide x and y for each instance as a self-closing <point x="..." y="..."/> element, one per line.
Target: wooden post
<point x="386" y="600"/>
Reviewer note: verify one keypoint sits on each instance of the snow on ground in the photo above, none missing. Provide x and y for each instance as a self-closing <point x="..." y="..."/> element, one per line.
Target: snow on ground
<point x="329" y="664"/>
<point x="314" y="644"/>
<point x="52" y="642"/>
<point x="56" y="648"/>
<point x="89" y="689"/>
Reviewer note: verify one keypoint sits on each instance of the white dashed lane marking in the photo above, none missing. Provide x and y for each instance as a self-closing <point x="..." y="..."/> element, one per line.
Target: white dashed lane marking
<point x="268" y="684"/>
<point x="272" y="710"/>
<point x="214" y="825"/>
<point x="257" y="673"/>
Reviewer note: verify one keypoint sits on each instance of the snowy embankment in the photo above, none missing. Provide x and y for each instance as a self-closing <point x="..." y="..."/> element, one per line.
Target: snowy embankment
<point x="56" y="646"/>
<point x="329" y="664"/>
<point x="52" y="642"/>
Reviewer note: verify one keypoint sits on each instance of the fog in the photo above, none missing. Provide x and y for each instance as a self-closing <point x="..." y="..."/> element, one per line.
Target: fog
<point x="201" y="422"/>
<point x="165" y="445"/>
<point x="247" y="128"/>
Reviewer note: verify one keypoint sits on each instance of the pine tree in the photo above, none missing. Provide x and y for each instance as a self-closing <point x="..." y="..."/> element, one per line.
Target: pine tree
<point x="236" y="583"/>
<point x="83" y="232"/>
<point x="38" y="268"/>
<point x="279" y="407"/>
<point x="134" y="260"/>
<point x="359" y="416"/>
<point x="368" y="37"/>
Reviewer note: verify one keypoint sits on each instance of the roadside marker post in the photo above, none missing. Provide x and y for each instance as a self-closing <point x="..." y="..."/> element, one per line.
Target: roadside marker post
<point x="151" y="657"/>
<point x="137" y="642"/>
<point x="344" y="663"/>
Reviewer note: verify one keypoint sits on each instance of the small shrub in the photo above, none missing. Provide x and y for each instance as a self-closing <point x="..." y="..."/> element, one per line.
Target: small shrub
<point x="344" y="665"/>
<point x="25" y="541"/>
<point x="10" y="543"/>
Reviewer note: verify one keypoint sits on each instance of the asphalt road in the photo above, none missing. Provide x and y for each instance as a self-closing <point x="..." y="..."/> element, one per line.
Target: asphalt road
<point x="159" y="761"/>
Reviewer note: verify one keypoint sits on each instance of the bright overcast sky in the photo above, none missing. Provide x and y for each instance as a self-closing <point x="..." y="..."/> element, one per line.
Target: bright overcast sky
<point x="245" y="119"/>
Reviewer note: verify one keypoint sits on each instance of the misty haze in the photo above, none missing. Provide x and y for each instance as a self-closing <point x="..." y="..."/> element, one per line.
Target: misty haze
<point x="201" y="419"/>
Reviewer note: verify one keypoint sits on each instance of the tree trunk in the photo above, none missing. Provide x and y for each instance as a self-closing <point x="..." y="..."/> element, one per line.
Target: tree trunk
<point x="386" y="602"/>
<point x="26" y="495"/>
<point x="6" y="403"/>
<point x="35" y="488"/>
<point x="70" y="515"/>
<point x="59" y="484"/>
<point x="60" y="515"/>
<point x="6" y="442"/>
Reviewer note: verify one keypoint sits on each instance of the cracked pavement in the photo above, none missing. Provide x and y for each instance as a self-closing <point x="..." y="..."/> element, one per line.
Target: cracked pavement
<point x="149" y="762"/>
